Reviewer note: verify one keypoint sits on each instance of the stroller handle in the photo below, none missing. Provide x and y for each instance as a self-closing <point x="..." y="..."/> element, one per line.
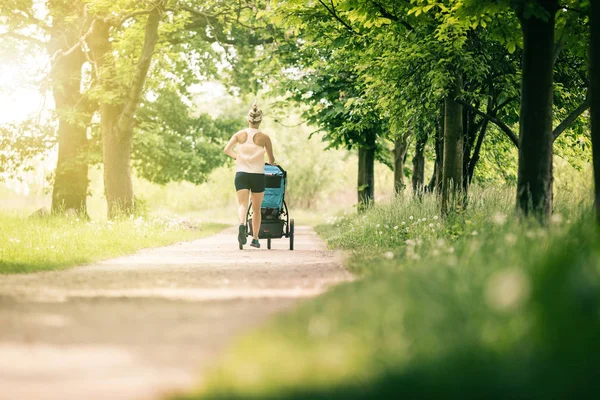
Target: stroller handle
<point x="278" y="166"/>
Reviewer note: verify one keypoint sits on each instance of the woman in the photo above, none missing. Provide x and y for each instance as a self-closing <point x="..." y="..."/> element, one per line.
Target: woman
<point x="250" y="171"/>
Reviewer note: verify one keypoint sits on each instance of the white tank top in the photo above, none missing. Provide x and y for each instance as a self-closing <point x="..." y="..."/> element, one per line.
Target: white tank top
<point x="250" y="156"/>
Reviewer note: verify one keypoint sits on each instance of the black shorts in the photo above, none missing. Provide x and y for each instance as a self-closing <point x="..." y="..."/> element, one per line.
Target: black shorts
<point x="254" y="182"/>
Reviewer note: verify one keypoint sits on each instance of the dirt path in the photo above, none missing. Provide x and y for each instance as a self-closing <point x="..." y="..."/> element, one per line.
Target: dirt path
<point x="140" y="326"/>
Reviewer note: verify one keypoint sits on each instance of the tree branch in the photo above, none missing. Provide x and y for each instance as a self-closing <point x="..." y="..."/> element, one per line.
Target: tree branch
<point x="511" y="135"/>
<point x="386" y="14"/>
<point x="571" y="118"/>
<point x="129" y="16"/>
<point x="504" y="104"/>
<point x="80" y="43"/>
<point x="137" y="86"/>
<point x="337" y="17"/>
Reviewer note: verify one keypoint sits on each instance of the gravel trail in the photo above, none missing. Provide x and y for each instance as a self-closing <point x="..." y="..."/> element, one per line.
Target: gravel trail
<point x="141" y="326"/>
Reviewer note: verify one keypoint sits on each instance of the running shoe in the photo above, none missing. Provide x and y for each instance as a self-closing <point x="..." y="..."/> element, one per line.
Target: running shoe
<point x="255" y="243"/>
<point x="242" y="235"/>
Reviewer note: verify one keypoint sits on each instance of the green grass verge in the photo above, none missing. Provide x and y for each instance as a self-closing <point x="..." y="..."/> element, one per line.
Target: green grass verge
<point x="476" y="306"/>
<point x="42" y="244"/>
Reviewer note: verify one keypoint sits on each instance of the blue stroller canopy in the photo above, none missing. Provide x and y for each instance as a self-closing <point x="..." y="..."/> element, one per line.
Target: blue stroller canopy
<point x="275" y="181"/>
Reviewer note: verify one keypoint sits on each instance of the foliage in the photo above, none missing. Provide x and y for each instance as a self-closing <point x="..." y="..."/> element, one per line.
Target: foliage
<point x="481" y="306"/>
<point x="170" y="145"/>
<point x="23" y="141"/>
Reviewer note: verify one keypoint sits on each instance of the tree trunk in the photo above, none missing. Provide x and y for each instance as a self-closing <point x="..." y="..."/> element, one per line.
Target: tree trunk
<point x="595" y="98"/>
<point x="474" y="142"/>
<point x="117" y="119"/>
<point x="476" y="154"/>
<point x="366" y="175"/>
<point x="71" y="175"/>
<point x="534" y="185"/>
<point x="453" y="150"/>
<point x="435" y="184"/>
<point x="116" y="150"/>
<point x="418" y="175"/>
<point x="399" y="153"/>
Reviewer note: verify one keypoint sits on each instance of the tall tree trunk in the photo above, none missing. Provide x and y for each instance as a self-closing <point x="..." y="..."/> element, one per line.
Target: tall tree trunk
<point x="435" y="184"/>
<point x="418" y="161"/>
<point x="366" y="174"/>
<point x="399" y="153"/>
<point x="453" y="150"/>
<point x="474" y="141"/>
<point x="71" y="174"/>
<point x="534" y="185"/>
<point x="118" y="119"/>
<point x="595" y="98"/>
<point x="476" y="153"/>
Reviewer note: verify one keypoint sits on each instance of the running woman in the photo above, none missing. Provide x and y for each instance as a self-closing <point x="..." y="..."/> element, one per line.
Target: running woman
<point x="249" y="155"/>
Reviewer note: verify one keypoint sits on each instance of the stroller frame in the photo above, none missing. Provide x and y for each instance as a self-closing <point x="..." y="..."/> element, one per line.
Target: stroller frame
<point x="275" y="222"/>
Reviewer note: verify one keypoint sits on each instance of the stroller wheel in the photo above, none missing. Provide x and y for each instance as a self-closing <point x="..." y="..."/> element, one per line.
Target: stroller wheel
<point x="269" y="244"/>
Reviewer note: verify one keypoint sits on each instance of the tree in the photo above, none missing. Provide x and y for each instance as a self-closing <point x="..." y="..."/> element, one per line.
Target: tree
<point x="322" y="53"/>
<point x="118" y="104"/>
<point x="452" y="174"/>
<point x="595" y="98"/>
<point x="73" y="108"/>
<point x="57" y="34"/>
<point x="534" y="185"/>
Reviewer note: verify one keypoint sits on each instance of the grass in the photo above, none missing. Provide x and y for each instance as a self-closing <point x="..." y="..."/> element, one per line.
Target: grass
<point x="475" y="306"/>
<point x="42" y="244"/>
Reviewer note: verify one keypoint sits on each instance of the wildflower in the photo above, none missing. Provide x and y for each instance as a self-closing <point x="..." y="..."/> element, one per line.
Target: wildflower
<point x="411" y="217"/>
<point x="451" y="250"/>
<point x="440" y="242"/>
<point x="388" y="255"/>
<point x="435" y="217"/>
<point x="506" y="289"/>
<point x="414" y="256"/>
<point x="13" y="240"/>
<point x="556" y="219"/>
<point x="474" y="233"/>
<point x="403" y="223"/>
<point x="377" y="226"/>
<point x="435" y="252"/>
<point x="396" y="227"/>
<point x="431" y="225"/>
<point x="530" y="234"/>
<point x="510" y="238"/>
<point x="380" y="233"/>
<point x="424" y="219"/>
<point x="410" y="243"/>
<point x="499" y="218"/>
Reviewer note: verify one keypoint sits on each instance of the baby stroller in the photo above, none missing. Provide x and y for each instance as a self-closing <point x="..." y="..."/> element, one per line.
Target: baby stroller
<point x="276" y="222"/>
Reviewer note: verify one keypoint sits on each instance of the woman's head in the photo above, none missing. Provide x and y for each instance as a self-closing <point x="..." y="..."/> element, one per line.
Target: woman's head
<point x="255" y="116"/>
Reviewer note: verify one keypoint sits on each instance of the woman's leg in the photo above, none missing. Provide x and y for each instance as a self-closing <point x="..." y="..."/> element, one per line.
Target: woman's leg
<point x="242" y="197"/>
<point x="257" y="199"/>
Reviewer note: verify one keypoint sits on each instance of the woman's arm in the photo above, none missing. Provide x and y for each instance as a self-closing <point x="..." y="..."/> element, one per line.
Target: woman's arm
<point x="269" y="148"/>
<point x="229" y="148"/>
